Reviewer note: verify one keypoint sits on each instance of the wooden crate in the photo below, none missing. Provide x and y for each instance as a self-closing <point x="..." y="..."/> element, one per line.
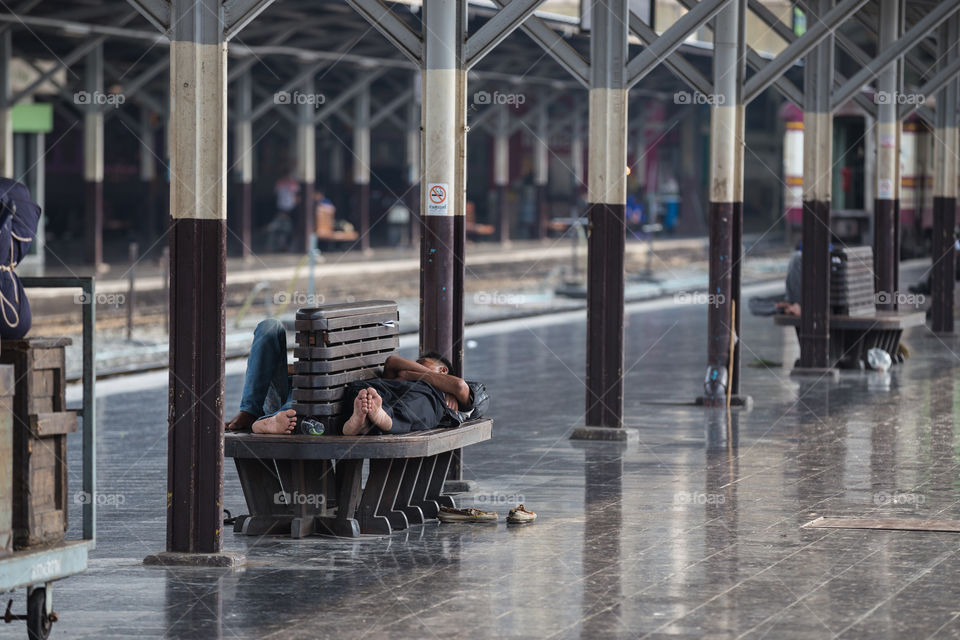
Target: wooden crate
<point x="6" y="457"/>
<point x="40" y="427"/>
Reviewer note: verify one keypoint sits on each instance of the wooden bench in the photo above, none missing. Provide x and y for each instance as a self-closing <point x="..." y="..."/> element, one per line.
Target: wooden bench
<point x="404" y="485"/>
<point x="852" y="336"/>
<point x="290" y="482"/>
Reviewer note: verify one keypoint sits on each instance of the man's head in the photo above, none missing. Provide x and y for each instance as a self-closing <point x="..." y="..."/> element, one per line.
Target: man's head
<point x="435" y="361"/>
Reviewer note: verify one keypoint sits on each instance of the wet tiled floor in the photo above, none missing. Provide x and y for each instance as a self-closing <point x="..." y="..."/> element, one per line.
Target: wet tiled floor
<point x="694" y="532"/>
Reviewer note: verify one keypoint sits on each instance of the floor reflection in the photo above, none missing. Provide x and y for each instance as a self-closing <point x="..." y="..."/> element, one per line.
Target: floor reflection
<point x="601" y="558"/>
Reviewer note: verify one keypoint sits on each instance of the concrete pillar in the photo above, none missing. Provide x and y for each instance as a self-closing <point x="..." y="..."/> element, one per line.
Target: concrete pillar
<point x="412" y="197"/>
<point x="6" y="121"/>
<point x="541" y="167"/>
<point x="945" y="148"/>
<point x="886" y="208"/>
<point x="501" y="171"/>
<point x="93" y="159"/>
<point x="606" y="197"/>
<point x="198" y="150"/>
<point x="361" y="164"/>
<point x="307" y="161"/>
<point x="726" y="208"/>
<point x="817" y="178"/>
<point x="243" y="161"/>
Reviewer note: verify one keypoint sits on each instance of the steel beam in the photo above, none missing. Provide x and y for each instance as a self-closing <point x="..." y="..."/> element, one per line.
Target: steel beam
<point x="501" y="171"/>
<point x="671" y="39"/>
<point x="821" y="29"/>
<point x="817" y="178"/>
<point x="342" y="98"/>
<point x="606" y="197"/>
<point x="944" y="75"/>
<point x="239" y="13"/>
<point x="889" y="55"/>
<point x="6" y="120"/>
<point x="555" y="46"/>
<point x="386" y="111"/>
<point x="243" y="163"/>
<point x="155" y="11"/>
<point x="497" y="28"/>
<point x="393" y="28"/>
<point x="361" y="164"/>
<point x="726" y="206"/>
<point x="93" y="158"/>
<point x="676" y="63"/>
<point x="198" y="120"/>
<point x="541" y="166"/>
<point x="886" y="207"/>
<point x="945" y="148"/>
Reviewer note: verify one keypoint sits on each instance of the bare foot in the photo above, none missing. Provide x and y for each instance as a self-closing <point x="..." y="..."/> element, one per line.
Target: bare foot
<point x="375" y="412"/>
<point x="283" y="423"/>
<point x="240" y="422"/>
<point x="357" y="423"/>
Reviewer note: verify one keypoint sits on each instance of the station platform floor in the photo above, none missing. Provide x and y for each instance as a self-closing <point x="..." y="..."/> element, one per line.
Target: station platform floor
<point x="694" y="531"/>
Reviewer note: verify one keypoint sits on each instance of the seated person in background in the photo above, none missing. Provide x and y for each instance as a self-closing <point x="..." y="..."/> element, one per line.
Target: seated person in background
<point x="791" y="304"/>
<point x="412" y="396"/>
<point x="267" y="386"/>
<point x="19" y="217"/>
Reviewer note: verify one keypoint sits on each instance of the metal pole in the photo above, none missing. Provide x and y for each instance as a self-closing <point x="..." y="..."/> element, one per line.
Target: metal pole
<point x="198" y="118"/>
<point x="243" y="152"/>
<point x="93" y="157"/>
<point x="501" y="171"/>
<point x="945" y="145"/>
<point x="361" y="164"/>
<point x="307" y="157"/>
<point x="541" y="166"/>
<point x="6" y="120"/>
<point x="413" y="161"/>
<point x="607" y="197"/>
<point x="886" y="227"/>
<point x="726" y="204"/>
<point x="133" y="255"/>
<point x="817" y="174"/>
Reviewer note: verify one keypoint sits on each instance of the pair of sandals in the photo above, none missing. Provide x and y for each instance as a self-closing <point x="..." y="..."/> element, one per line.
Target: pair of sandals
<point x="517" y="515"/>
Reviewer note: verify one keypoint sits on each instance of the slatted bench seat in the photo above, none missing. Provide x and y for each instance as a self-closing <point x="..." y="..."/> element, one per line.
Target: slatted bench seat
<point x="404" y="485"/>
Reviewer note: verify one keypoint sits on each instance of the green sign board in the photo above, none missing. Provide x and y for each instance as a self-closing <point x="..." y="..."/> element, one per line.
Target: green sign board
<point x="32" y="117"/>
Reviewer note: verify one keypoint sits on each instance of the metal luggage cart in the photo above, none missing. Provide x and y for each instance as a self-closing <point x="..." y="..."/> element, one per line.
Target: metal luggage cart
<point x="37" y="569"/>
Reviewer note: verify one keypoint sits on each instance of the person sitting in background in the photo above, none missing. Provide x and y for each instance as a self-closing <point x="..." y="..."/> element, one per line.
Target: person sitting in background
<point x="19" y="217"/>
<point x="790" y="305"/>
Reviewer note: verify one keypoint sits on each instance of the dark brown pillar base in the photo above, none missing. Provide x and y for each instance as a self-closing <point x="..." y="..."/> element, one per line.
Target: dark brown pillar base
<point x="308" y="212"/>
<point x="942" y="273"/>
<point x="886" y="252"/>
<point x="815" y="298"/>
<point x="605" y="280"/>
<point x="93" y="229"/>
<point x="195" y="439"/>
<point x="240" y="224"/>
<point x="606" y="434"/>
<point x="174" y="559"/>
<point x="719" y="319"/>
<point x="413" y="203"/>
<point x="437" y="284"/>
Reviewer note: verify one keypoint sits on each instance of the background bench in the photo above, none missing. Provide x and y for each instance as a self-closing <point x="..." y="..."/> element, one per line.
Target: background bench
<point x="290" y="482"/>
<point x="855" y="324"/>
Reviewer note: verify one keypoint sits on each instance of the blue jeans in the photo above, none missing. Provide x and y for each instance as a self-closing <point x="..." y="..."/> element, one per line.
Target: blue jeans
<point x="267" y="387"/>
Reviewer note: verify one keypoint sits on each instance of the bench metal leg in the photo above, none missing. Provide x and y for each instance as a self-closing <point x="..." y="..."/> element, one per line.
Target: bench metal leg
<point x="411" y="470"/>
<point x="373" y="495"/>
<point x="387" y="507"/>
<point x="348" y="477"/>
<point x="429" y="508"/>
<point x="435" y="485"/>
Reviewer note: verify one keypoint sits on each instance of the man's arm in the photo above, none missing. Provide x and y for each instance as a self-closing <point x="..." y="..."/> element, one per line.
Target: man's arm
<point x="445" y="382"/>
<point x="395" y="364"/>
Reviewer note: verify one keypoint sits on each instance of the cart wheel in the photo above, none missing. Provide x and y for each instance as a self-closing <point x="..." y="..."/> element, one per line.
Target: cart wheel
<point x="38" y="623"/>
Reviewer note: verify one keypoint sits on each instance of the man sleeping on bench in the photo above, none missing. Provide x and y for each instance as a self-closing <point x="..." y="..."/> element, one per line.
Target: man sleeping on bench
<point x="410" y="396"/>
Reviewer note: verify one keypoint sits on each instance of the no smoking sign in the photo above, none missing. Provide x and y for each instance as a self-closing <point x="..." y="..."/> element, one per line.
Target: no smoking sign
<point x="438" y="200"/>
